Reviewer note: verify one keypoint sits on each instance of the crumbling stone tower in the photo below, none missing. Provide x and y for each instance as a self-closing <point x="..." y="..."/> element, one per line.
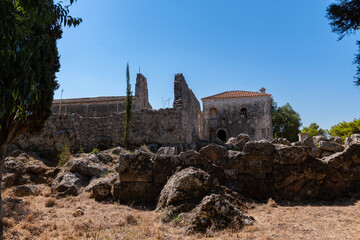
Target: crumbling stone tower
<point x="141" y="93"/>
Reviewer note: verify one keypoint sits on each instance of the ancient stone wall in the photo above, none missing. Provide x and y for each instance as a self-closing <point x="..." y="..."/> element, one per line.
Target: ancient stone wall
<point x="178" y="125"/>
<point x="260" y="171"/>
<point x="186" y="102"/>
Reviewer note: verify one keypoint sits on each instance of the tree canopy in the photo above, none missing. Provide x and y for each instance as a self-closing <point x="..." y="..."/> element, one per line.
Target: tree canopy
<point x="345" y="129"/>
<point x="29" y="60"/>
<point x="286" y="122"/>
<point x="344" y="17"/>
<point x="314" y="130"/>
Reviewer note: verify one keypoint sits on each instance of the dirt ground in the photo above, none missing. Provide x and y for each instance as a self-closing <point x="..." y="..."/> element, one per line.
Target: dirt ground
<point x="43" y="217"/>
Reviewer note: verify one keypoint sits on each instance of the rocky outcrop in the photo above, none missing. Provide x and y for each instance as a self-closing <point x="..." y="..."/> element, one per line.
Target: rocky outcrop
<point x="185" y="189"/>
<point x="66" y="184"/>
<point x="215" y="213"/>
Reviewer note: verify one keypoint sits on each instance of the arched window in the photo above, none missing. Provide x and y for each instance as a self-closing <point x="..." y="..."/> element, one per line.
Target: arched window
<point x="212" y="113"/>
<point x="243" y="113"/>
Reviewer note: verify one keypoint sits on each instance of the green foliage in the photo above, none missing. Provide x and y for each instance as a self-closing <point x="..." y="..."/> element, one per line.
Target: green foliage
<point x="64" y="155"/>
<point x="344" y="17"/>
<point x="286" y="122"/>
<point x="345" y="129"/>
<point x="95" y="151"/>
<point x="128" y="105"/>
<point x="314" y="130"/>
<point x="29" y="59"/>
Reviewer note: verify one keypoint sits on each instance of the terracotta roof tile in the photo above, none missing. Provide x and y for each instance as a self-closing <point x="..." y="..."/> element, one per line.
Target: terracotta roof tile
<point x="236" y="94"/>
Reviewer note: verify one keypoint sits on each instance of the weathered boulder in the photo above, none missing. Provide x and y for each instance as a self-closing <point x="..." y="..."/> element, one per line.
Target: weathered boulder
<point x="259" y="149"/>
<point x="214" y="152"/>
<point x="215" y="212"/>
<point x="351" y="139"/>
<point x="86" y="168"/>
<point x="330" y="146"/>
<point x="26" y="190"/>
<point x="335" y="139"/>
<point x="193" y="158"/>
<point x="165" y="166"/>
<point x="135" y="167"/>
<point x="101" y="187"/>
<point x="318" y="139"/>
<point x="232" y="140"/>
<point x="66" y="184"/>
<point x="185" y="189"/>
<point x="243" y="136"/>
<point x="291" y="155"/>
<point x="167" y="151"/>
<point x="105" y="158"/>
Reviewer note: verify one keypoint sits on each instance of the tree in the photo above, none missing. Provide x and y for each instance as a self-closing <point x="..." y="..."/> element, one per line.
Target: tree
<point x="128" y="105"/>
<point x="29" y="60"/>
<point x="286" y="122"/>
<point x="345" y="129"/>
<point x="314" y="130"/>
<point x="344" y="18"/>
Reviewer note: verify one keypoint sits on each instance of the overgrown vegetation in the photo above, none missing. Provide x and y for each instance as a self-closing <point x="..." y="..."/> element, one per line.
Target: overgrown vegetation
<point x="345" y="129"/>
<point x="95" y="151"/>
<point x="128" y="105"/>
<point x="314" y="130"/>
<point x="286" y="122"/>
<point x="344" y="17"/>
<point x="29" y="59"/>
<point x="65" y="155"/>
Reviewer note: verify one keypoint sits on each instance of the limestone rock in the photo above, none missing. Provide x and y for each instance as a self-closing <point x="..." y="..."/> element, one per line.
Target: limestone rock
<point x="26" y="190"/>
<point x="66" y="184"/>
<point x="101" y="187"/>
<point x="336" y="140"/>
<point x="243" y="136"/>
<point x="167" y="151"/>
<point x="136" y="167"/>
<point x="214" y="152"/>
<point x="185" y="189"/>
<point x="318" y="139"/>
<point x="86" y="168"/>
<point x="193" y="158"/>
<point x="215" y="212"/>
<point x="330" y="146"/>
<point x="259" y="149"/>
<point x="291" y="155"/>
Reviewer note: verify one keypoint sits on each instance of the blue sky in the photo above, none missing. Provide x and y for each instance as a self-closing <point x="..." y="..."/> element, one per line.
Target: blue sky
<point x="219" y="45"/>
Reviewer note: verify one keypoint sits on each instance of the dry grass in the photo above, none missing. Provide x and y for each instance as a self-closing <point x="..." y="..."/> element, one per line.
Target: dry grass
<point x="29" y="218"/>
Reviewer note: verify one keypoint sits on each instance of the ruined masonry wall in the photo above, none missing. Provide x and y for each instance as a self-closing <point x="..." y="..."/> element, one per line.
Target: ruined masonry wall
<point x="162" y="126"/>
<point x="178" y="125"/>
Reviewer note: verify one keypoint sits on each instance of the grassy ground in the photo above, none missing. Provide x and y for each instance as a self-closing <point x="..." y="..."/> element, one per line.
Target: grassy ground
<point x="43" y="217"/>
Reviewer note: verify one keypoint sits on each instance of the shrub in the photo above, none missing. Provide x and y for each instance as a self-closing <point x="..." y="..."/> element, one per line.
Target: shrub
<point x="64" y="155"/>
<point x="95" y="151"/>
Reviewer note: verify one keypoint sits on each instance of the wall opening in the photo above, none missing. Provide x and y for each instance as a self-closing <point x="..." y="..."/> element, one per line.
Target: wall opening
<point x="213" y="113"/>
<point x="222" y="135"/>
<point x="243" y="113"/>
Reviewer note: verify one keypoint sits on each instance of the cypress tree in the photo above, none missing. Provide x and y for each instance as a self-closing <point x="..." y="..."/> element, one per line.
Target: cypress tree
<point x="128" y="105"/>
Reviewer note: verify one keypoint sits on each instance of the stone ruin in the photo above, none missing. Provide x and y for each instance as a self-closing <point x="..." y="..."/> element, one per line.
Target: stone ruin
<point x="99" y="122"/>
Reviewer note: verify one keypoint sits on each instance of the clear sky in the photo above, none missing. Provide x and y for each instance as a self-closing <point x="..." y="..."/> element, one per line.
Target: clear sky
<point x="219" y="45"/>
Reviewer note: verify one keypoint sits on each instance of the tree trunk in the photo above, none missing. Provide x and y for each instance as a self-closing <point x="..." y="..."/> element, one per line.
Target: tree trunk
<point x="2" y="158"/>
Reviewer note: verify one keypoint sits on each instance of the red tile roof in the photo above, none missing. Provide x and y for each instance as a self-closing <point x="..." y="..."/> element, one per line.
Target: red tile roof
<point x="236" y="94"/>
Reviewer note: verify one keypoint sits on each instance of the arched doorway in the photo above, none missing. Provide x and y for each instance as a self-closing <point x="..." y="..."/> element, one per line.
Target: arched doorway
<point x="221" y="134"/>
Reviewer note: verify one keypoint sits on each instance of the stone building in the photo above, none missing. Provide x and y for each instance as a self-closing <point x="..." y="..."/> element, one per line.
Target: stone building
<point x="104" y="106"/>
<point x="229" y="113"/>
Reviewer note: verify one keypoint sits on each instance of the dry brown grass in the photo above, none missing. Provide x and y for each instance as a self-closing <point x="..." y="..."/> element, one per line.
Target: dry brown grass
<point x="29" y="218"/>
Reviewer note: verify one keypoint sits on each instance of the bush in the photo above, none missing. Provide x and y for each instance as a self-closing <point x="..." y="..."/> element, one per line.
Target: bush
<point x="95" y="151"/>
<point x="64" y="155"/>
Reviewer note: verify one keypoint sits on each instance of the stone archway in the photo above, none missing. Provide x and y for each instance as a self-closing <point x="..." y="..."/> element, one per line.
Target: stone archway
<point x="222" y="135"/>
